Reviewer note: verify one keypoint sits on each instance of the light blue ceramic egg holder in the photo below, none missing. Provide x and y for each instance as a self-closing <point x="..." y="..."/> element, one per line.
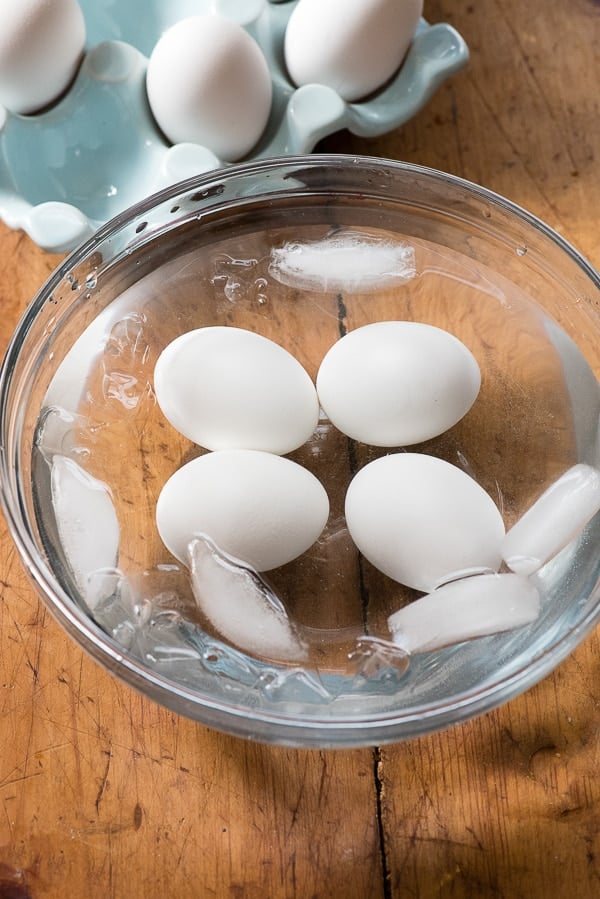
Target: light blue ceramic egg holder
<point x="68" y="170"/>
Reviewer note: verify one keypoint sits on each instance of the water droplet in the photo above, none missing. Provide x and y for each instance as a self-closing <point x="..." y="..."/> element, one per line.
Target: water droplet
<point x="260" y="286"/>
<point x="91" y="280"/>
<point x="214" y="191"/>
<point x="522" y="250"/>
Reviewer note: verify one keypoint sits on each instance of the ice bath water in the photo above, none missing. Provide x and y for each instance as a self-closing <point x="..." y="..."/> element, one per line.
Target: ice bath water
<point x="525" y="429"/>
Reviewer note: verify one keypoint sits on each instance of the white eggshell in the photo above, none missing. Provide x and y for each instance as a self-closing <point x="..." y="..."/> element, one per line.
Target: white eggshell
<point x="352" y="46"/>
<point x="397" y="383"/>
<point x="257" y="507"/>
<point x="462" y="610"/>
<point x="422" y="521"/>
<point x="41" y="45"/>
<point x="208" y="83"/>
<point x="228" y="388"/>
<point x="556" y="518"/>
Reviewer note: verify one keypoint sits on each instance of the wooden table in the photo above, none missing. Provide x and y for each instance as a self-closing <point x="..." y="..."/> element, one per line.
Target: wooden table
<point x="104" y="794"/>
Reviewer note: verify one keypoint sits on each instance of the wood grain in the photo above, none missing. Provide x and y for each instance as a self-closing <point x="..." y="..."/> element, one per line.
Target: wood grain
<point x="104" y="794"/>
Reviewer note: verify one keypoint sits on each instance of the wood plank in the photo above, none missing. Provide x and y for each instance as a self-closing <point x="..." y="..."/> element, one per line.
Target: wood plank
<point x="507" y="805"/>
<point x="95" y="779"/>
<point x="105" y="794"/>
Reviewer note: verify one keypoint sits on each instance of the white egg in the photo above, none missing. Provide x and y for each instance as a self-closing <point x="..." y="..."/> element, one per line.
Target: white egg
<point x="208" y="83"/>
<point x="228" y="388"/>
<point x="397" y="383"/>
<point x="352" y="46"/>
<point x="422" y="521"/>
<point x="257" y="507"/>
<point x="41" y="45"/>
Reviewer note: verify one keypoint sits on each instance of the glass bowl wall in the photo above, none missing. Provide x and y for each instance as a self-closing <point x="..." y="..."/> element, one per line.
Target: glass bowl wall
<point x="77" y="382"/>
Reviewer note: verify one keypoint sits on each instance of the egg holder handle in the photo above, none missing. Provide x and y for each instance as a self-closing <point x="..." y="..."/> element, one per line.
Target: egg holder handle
<point x="68" y="170"/>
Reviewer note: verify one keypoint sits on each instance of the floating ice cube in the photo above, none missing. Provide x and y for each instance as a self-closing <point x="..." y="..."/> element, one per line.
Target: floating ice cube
<point x="351" y="261"/>
<point x="56" y="432"/>
<point x="240" y="605"/>
<point x="462" y="610"/>
<point x="556" y="518"/>
<point x="68" y="384"/>
<point x="87" y="527"/>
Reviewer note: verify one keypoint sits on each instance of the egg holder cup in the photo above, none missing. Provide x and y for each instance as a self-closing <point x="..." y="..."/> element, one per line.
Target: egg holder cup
<point x="67" y="170"/>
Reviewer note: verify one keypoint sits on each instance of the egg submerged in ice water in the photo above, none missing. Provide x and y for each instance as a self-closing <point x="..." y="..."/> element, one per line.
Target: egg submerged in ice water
<point x="397" y="383"/>
<point x="423" y="521"/>
<point x="352" y="46"/>
<point x="261" y="509"/>
<point x="229" y="388"/>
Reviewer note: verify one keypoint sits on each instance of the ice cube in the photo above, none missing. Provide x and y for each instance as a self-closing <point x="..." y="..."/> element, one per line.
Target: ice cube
<point x="554" y="520"/>
<point x="87" y="525"/>
<point x="240" y="604"/>
<point x="464" y="609"/>
<point x="346" y="260"/>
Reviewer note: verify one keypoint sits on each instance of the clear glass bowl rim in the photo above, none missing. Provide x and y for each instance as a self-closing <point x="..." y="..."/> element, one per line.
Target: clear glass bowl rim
<point x="318" y="731"/>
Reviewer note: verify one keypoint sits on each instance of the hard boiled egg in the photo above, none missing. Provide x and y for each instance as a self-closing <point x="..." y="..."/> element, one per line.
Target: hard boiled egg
<point x="228" y="388"/>
<point x="397" y="383"/>
<point x="41" y="45"/>
<point x="208" y="83"/>
<point x="422" y="521"/>
<point x="352" y="46"/>
<point x="257" y="507"/>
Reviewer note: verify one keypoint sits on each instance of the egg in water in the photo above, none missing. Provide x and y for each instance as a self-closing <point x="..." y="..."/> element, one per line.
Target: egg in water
<point x="261" y="509"/>
<point x="423" y="521"/>
<point x="228" y="388"/>
<point x="397" y="383"/>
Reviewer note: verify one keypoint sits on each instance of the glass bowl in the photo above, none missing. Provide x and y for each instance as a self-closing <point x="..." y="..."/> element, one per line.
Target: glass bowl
<point x="86" y="449"/>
